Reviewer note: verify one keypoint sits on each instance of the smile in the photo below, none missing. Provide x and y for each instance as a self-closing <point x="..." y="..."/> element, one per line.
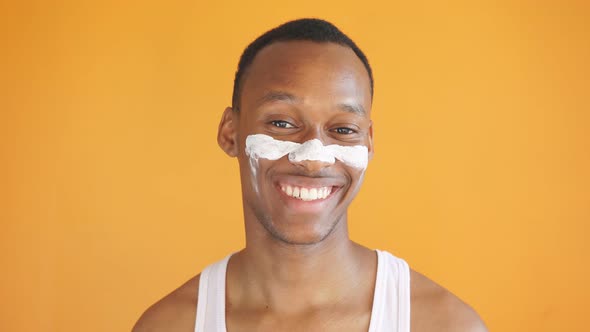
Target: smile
<point x="306" y="194"/>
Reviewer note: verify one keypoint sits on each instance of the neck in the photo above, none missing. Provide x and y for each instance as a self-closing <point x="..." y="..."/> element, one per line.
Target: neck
<point x="269" y="271"/>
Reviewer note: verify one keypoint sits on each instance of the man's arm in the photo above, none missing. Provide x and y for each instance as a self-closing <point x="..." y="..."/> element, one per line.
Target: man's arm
<point x="434" y="308"/>
<point x="176" y="312"/>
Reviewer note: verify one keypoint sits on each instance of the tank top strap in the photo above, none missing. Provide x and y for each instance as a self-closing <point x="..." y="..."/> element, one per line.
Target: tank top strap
<point x="391" y="300"/>
<point x="211" y="300"/>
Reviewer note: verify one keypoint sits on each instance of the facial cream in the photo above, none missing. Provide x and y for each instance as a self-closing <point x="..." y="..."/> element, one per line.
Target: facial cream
<point x="266" y="147"/>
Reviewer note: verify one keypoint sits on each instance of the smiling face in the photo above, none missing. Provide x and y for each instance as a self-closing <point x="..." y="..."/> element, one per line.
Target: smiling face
<point x="307" y="93"/>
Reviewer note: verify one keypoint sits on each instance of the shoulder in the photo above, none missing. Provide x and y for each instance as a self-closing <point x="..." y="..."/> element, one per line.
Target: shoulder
<point x="175" y="312"/>
<point x="434" y="308"/>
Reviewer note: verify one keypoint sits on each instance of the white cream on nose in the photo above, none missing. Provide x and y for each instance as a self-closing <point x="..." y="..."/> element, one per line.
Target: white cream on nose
<point x="266" y="147"/>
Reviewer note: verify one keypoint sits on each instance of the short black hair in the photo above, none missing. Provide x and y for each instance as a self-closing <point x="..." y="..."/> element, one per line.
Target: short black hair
<point x="310" y="29"/>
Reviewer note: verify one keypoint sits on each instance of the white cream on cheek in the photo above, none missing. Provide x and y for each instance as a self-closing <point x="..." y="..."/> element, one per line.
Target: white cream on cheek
<point x="253" y="169"/>
<point x="266" y="147"/>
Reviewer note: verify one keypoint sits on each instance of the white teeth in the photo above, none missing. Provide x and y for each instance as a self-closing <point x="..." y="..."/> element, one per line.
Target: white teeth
<point x="313" y="193"/>
<point x="304" y="194"/>
<point x="307" y="194"/>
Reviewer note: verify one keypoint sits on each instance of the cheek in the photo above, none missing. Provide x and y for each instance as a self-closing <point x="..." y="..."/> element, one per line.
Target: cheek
<point x="356" y="157"/>
<point x="256" y="169"/>
<point x="249" y="173"/>
<point x="356" y="176"/>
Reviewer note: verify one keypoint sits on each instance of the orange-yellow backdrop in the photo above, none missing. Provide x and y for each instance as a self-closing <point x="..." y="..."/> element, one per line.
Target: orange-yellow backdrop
<point x="113" y="190"/>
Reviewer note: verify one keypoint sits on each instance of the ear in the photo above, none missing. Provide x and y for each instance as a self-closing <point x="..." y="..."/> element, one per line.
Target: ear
<point x="227" y="132"/>
<point x="371" y="146"/>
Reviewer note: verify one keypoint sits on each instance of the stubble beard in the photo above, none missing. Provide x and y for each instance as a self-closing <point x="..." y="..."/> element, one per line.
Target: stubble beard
<point x="281" y="236"/>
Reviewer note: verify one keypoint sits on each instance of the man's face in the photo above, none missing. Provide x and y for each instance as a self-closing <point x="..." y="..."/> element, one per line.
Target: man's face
<point x="298" y="91"/>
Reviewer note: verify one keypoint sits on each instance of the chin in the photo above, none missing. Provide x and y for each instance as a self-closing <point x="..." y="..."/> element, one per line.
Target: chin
<point x="299" y="232"/>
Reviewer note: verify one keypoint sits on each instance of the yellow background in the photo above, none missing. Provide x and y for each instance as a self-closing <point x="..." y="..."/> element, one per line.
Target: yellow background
<point x="113" y="191"/>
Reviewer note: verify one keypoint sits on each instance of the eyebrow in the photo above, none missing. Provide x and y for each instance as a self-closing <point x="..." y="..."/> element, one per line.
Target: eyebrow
<point x="283" y="96"/>
<point x="272" y="96"/>
<point x="353" y="108"/>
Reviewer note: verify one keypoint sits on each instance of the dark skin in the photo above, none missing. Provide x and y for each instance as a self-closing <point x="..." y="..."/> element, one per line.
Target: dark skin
<point x="299" y="270"/>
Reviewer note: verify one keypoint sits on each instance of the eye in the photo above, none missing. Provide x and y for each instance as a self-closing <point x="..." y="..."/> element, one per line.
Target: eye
<point x="282" y="124"/>
<point x="345" y="131"/>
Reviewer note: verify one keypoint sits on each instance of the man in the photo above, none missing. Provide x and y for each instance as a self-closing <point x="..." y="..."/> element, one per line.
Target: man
<point x="301" y="130"/>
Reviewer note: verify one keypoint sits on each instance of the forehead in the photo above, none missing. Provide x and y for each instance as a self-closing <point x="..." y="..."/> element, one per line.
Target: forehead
<point x="318" y="74"/>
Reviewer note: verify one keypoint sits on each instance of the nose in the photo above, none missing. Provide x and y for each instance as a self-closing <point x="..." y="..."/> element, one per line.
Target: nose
<point x="312" y="166"/>
<point x="312" y="155"/>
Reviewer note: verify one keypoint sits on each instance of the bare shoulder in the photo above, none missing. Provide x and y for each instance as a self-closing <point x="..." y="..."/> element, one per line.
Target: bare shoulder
<point x="175" y="312"/>
<point x="434" y="308"/>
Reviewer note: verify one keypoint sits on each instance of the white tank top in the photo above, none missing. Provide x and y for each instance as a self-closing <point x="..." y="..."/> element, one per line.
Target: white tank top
<point x="391" y="300"/>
